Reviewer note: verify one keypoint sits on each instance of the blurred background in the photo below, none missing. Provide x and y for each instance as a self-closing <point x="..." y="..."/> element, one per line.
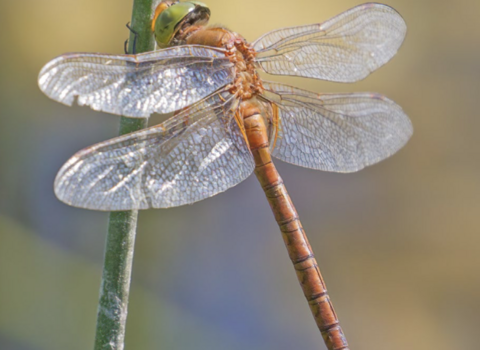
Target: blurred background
<point x="398" y="243"/>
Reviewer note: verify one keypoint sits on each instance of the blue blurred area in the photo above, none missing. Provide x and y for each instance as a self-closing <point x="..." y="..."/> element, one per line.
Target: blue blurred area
<point x="398" y="243"/>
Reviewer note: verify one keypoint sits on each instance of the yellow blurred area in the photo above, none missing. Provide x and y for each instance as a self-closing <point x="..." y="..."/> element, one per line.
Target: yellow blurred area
<point x="398" y="243"/>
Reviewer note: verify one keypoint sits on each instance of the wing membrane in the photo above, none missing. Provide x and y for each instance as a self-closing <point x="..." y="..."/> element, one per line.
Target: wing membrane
<point x="194" y="155"/>
<point x="137" y="85"/>
<point x="345" y="48"/>
<point x="336" y="132"/>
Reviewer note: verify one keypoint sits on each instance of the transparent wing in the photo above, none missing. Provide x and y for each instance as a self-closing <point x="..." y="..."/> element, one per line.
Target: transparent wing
<point x="137" y="85"/>
<point x="194" y="155"/>
<point x="336" y="132"/>
<point x="345" y="48"/>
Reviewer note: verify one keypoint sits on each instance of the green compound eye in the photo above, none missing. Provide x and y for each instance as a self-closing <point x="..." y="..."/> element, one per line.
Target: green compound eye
<point x="169" y="20"/>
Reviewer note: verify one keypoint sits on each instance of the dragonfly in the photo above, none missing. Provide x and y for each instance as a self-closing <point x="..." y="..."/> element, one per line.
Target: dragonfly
<point x="228" y="122"/>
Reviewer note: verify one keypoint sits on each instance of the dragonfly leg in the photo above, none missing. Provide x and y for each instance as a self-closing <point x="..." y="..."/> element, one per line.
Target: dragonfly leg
<point x="125" y="48"/>
<point x="239" y="121"/>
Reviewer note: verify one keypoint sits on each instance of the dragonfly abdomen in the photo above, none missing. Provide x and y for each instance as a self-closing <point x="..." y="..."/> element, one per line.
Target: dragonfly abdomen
<point x="299" y="249"/>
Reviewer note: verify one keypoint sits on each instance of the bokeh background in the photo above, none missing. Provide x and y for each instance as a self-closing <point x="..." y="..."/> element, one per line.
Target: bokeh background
<point x="398" y="243"/>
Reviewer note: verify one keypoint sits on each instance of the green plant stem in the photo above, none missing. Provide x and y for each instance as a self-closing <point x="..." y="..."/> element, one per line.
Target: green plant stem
<point x="120" y="242"/>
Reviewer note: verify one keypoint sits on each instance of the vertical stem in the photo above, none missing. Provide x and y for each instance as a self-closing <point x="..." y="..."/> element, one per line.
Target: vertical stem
<point x="120" y="242"/>
<point x="114" y="291"/>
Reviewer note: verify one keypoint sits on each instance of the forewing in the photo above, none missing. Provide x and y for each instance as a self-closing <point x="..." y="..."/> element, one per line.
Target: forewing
<point x="137" y="85"/>
<point x="336" y="132"/>
<point x="345" y="48"/>
<point x="194" y="155"/>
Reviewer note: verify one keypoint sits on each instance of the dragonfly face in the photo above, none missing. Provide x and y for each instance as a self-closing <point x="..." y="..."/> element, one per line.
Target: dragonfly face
<point x="172" y="17"/>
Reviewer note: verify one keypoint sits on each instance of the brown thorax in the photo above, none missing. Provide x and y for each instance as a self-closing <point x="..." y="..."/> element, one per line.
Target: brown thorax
<point x="247" y="83"/>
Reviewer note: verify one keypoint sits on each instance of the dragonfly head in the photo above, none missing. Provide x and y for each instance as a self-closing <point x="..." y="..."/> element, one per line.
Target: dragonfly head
<point x="172" y="17"/>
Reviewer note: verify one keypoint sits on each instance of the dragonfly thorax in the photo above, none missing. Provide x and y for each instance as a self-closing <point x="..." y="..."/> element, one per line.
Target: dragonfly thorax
<point x="247" y="83"/>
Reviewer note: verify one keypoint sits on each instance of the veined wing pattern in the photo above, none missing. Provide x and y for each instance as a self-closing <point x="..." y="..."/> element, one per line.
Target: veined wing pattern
<point x="345" y="48"/>
<point x="137" y="85"/>
<point x="336" y="132"/>
<point x="194" y="155"/>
